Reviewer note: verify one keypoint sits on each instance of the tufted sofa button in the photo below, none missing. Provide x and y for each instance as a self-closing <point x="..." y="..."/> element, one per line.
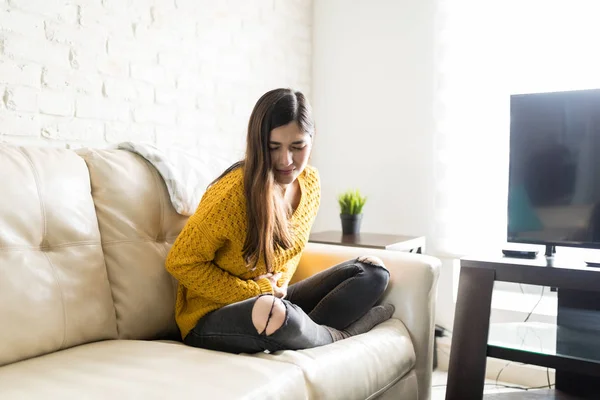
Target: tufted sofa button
<point x="44" y="246"/>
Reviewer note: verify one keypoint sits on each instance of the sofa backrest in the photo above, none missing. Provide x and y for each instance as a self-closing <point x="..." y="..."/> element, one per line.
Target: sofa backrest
<point x="54" y="289"/>
<point x="83" y="240"/>
<point x="138" y="226"/>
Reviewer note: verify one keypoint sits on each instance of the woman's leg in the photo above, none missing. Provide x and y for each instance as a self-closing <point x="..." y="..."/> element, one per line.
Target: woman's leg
<point x="258" y="324"/>
<point x="267" y="323"/>
<point x="342" y="294"/>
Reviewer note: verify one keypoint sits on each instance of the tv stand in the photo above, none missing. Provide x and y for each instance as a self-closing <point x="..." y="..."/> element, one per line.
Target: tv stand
<point x="570" y="345"/>
<point x="550" y="250"/>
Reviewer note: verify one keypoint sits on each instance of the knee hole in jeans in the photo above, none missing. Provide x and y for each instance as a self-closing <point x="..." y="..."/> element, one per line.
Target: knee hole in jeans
<point x="260" y="314"/>
<point x="371" y="260"/>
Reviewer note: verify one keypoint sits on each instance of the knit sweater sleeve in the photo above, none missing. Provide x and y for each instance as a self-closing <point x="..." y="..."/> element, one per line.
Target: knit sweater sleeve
<point x="287" y="272"/>
<point x="190" y="260"/>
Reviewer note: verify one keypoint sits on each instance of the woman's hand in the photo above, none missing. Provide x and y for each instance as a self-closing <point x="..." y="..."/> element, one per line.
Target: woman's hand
<point x="265" y="276"/>
<point x="279" y="292"/>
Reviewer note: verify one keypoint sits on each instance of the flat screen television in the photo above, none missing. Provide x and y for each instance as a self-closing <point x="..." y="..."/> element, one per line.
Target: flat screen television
<point x="554" y="177"/>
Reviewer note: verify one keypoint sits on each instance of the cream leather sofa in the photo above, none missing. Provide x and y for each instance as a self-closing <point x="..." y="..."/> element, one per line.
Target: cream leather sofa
<point x="86" y="307"/>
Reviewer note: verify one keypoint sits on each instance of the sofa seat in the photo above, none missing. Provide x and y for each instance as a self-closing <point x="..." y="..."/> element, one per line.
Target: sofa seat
<point x="359" y="367"/>
<point x="131" y="369"/>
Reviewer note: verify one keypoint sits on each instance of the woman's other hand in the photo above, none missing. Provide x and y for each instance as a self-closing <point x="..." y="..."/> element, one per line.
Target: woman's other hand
<point x="279" y="292"/>
<point x="265" y="276"/>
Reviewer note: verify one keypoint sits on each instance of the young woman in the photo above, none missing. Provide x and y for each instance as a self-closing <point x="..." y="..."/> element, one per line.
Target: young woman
<point x="237" y="253"/>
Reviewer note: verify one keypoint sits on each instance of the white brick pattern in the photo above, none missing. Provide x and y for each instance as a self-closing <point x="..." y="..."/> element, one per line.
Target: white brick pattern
<point x="171" y="72"/>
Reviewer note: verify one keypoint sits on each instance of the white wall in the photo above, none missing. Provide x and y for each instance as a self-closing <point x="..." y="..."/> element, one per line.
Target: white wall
<point x="373" y="103"/>
<point x="373" y="97"/>
<point x="373" y="86"/>
<point x="187" y="72"/>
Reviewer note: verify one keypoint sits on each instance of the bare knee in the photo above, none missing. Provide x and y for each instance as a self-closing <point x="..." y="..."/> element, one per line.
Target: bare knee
<point x="372" y="260"/>
<point x="260" y="314"/>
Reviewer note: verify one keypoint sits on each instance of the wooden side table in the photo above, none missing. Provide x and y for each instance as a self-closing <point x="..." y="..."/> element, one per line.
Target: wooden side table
<point x="412" y="244"/>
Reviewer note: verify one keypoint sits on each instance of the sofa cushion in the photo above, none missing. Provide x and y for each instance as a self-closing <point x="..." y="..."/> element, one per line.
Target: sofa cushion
<point x="357" y="367"/>
<point x="138" y="225"/>
<point x="54" y="291"/>
<point x="128" y="369"/>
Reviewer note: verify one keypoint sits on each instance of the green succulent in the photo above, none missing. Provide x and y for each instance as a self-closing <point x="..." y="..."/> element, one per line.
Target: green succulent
<point x="351" y="202"/>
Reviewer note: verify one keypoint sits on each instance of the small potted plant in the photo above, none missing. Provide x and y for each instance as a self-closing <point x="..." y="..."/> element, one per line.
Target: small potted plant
<point x="351" y="205"/>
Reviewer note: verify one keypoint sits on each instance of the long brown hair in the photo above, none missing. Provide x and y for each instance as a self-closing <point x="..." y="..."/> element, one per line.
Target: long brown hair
<point x="267" y="216"/>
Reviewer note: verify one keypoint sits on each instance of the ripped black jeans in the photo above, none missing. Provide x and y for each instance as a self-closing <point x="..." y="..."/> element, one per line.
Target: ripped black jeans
<point x="335" y="297"/>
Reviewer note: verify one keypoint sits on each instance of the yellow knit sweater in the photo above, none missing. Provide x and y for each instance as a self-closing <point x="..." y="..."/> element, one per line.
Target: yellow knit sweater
<point x="207" y="257"/>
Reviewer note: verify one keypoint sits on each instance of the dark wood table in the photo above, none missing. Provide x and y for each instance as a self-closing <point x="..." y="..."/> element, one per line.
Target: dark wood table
<point x="571" y="346"/>
<point x="413" y="244"/>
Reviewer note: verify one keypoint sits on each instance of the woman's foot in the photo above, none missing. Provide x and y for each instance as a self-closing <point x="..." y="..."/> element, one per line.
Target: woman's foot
<point x="373" y="317"/>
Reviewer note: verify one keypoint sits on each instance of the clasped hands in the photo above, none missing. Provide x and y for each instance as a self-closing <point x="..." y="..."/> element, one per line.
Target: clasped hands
<point x="279" y="292"/>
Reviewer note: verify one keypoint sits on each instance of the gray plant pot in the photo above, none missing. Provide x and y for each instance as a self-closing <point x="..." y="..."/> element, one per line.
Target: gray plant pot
<point x="351" y="223"/>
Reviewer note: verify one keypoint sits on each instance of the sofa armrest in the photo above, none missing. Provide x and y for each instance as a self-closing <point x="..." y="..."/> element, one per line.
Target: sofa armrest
<point x="412" y="290"/>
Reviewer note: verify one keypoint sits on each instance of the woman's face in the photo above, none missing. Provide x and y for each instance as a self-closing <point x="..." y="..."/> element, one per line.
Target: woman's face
<point x="290" y="148"/>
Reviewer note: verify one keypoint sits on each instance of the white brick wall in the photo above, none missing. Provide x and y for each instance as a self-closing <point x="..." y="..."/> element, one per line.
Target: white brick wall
<point x="172" y="72"/>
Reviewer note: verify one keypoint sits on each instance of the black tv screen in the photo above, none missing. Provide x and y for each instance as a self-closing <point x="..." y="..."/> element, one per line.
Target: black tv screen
<point x="554" y="179"/>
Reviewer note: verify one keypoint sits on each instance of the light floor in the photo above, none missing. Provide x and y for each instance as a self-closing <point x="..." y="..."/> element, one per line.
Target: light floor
<point x="439" y="379"/>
